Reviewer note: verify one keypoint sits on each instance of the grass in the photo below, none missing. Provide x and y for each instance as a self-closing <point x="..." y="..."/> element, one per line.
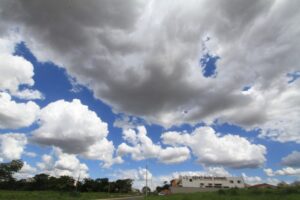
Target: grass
<point x="51" y="195"/>
<point x="244" y="194"/>
<point x="232" y="194"/>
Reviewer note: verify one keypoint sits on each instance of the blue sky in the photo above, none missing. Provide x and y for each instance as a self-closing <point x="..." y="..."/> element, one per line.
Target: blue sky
<point x="106" y="97"/>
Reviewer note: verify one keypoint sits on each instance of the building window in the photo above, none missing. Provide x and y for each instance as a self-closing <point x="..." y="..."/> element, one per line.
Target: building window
<point x="238" y="181"/>
<point x="231" y="181"/>
<point x="191" y="180"/>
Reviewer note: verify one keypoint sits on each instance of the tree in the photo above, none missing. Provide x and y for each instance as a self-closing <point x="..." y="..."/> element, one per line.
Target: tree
<point x="124" y="185"/>
<point x="65" y="183"/>
<point x="41" y="182"/>
<point x="159" y="189"/>
<point x="102" y="184"/>
<point x="146" y="189"/>
<point x="8" y="169"/>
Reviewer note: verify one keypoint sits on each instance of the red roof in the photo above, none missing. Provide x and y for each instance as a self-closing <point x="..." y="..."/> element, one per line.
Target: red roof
<point x="263" y="185"/>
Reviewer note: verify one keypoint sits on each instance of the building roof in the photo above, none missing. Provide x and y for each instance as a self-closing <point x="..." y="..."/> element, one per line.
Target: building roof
<point x="262" y="185"/>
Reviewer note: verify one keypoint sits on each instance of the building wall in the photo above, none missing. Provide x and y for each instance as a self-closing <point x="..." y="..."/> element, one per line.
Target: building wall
<point x="212" y="182"/>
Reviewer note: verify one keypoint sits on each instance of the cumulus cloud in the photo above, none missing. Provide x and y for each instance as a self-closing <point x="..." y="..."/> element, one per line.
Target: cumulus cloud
<point x="138" y="176"/>
<point x="286" y="171"/>
<point x="16" y="71"/>
<point x="12" y="146"/>
<point x="27" y="171"/>
<point x="15" y="115"/>
<point x="157" y="45"/>
<point x="75" y="129"/>
<point x="141" y="147"/>
<point x="210" y="149"/>
<point x="60" y="164"/>
<point x="292" y="160"/>
<point x="208" y="171"/>
<point x="252" y="180"/>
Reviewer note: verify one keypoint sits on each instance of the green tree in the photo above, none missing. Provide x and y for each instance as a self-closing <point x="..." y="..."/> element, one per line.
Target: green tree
<point x="8" y="169"/>
<point x="65" y="183"/>
<point x="124" y="185"/>
<point x="41" y="182"/>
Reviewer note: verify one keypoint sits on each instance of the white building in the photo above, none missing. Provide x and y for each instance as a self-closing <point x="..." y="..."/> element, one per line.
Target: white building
<point x="211" y="182"/>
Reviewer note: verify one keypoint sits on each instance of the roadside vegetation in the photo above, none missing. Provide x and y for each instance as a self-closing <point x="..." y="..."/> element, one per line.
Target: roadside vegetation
<point x="284" y="193"/>
<point x="55" y="195"/>
<point x="43" y="186"/>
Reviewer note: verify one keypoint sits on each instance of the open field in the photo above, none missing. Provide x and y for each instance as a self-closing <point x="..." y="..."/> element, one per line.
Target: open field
<point x="254" y="194"/>
<point x="247" y="194"/>
<point x="51" y="195"/>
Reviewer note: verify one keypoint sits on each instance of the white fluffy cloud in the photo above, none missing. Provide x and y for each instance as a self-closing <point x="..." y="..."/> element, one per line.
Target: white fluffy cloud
<point x="27" y="171"/>
<point x="292" y="160"/>
<point x="286" y="171"/>
<point x="138" y="176"/>
<point x="104" y="151"/>
<point x="229" y="150"/>
<point x="75" y="129"/>
<point x="291" y="163"/>
<point x="15" y="115"/>
<point x="252" y="180"/>
<point x="12" y="146"/>
<point x="208" y="171"/>
<point x="15" y="71"/>
<point x="142" y="147"/>
<point x="157" y="45"/>
<point x="60" y="164"/>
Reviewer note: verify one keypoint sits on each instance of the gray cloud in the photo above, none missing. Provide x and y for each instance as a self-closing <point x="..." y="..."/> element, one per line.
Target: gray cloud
<point x="292" y="160"/>
<point x="143" y="58"/>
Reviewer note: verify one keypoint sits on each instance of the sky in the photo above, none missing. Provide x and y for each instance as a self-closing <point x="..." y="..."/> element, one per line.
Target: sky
<point x="106" y="88"/>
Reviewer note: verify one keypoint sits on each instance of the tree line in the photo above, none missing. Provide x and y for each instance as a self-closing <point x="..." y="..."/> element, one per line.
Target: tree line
<point x="62" y="183"/>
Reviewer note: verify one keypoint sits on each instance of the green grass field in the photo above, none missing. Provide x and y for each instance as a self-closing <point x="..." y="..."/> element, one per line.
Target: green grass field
<point x="246" y="194"/>
<point x="49" y="195"/>
<point x="266" y="194"/>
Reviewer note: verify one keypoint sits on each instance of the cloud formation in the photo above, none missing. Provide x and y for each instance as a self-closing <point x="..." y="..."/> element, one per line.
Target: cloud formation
<point x="16" y="71"/>
<point x="12" y="146"/>
<point x="63" y="164"/>
<point x="75" y="129"/>
<point x="286" y="171"/>
<point x="211" y="149"/>
<point x="15" y="115"/>
<point x="141" y="147"/>
<point x="27" y="171"/>
<point x="156" y="46"/>
<point x="292" y="160"/>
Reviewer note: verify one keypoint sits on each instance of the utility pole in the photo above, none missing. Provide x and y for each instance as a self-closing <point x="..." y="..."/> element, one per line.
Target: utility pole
<point x="146" y="181"/>
<point x="78" y="181"/>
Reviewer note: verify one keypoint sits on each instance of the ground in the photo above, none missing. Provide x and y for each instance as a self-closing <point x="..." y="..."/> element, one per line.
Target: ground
<point x="51" y="195"/>
<point x="245" y="194"/>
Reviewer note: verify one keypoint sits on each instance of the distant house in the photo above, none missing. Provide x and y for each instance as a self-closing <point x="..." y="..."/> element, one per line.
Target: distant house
<point x="211" y="182"/>
<point x="164" y="192"/>
<point x="187" y="184"/>
<point x="263" y="185"/>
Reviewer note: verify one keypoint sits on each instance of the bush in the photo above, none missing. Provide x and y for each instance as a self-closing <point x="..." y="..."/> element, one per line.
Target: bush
<point x="221" y="192"/>
<point x="233" y="191"/>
